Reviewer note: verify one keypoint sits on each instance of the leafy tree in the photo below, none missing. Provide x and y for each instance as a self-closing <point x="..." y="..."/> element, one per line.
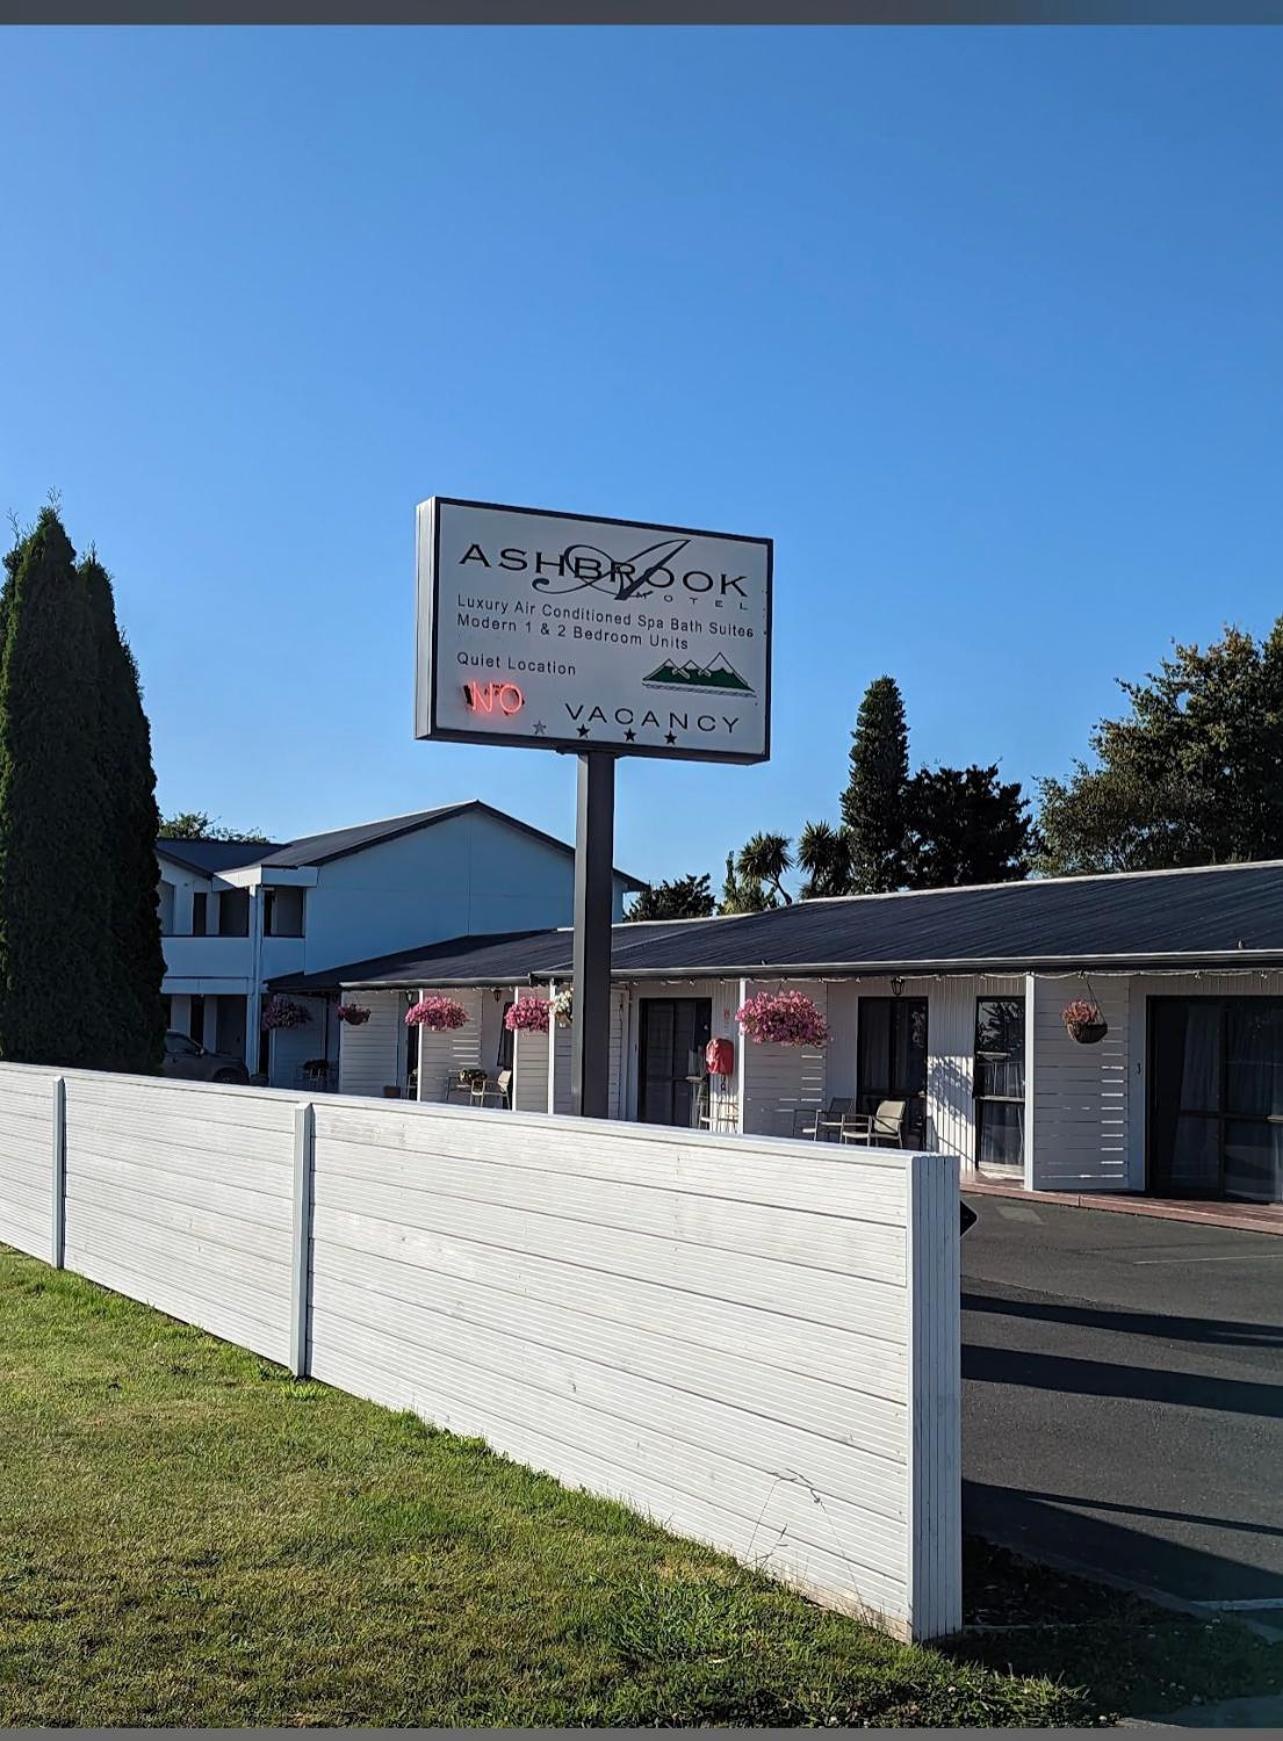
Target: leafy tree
<point x="741" y="894"/>
<point x="965" y="826"/>
<point x="1191" y="774"/>
<point x="57" y="973"/>
<point x="200" y="825"/>
<point x="683" y="898"/>
<point x="137" y="961"/>
<point x="766" y="860"/>
<point x="873" y="802"/>
<point x="824" y="853"/>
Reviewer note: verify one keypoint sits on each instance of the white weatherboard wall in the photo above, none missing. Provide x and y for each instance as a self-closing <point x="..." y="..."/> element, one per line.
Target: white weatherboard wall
<point x="371" y="1057"/>
<point x="1076" y="1139"/>
<point x="755" y="1342"/>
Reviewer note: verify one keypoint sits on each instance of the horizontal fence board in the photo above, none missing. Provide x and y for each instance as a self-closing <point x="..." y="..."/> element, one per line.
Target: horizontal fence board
<point x="209" y="1269"/>
<point x="689" y="1422"/>
<point x="158" y="1097"/>
<point x="872" y="1364"/>
<point x="29" y="1191"/>
<point x="222" y="1315"/>
<point x="261" y="1243"/>
<point x="27" y="1229"/>
<point x="796" y="1176"/>
<point x="752" y="1281"/>
<point x="453" y="1318"/>
<point x="258" y="1159"/>
<point x="202" y="1189"/>
<point x="822" y="1572"/>
<point x="462" y="1192"/>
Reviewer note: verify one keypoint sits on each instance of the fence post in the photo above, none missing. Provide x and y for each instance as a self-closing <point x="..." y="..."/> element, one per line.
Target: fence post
<point x="935" y="1396"/>
<point x="58" y="1230"/>
<point x="301" y="1287"/>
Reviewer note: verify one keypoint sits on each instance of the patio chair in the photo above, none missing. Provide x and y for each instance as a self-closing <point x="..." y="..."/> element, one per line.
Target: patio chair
<point x="495" y="1089"/>
<point x="881" y="1129"/>
<point x="822" y="1123"/>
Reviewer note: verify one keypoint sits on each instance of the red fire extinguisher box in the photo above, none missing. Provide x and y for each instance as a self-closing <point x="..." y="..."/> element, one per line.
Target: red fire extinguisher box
<point x="719" y="1055"/>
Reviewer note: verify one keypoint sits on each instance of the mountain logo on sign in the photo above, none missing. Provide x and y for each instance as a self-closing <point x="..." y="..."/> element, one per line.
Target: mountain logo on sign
<point x="716" y="678"/>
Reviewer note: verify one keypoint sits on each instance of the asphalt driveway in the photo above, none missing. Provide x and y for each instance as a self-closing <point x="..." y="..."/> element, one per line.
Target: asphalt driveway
<point x="1123" y="1397"/>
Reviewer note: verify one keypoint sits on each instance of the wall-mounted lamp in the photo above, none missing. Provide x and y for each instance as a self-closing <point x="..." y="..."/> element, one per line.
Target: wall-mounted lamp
<point x="897" y="987"/>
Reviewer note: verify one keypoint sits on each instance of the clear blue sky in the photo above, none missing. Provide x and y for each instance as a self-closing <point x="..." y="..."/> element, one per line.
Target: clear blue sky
<point x="985" y="327"/>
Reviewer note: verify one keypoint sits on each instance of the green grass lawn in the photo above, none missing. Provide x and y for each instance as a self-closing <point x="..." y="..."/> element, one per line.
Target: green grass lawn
<point x="190" y="1537"/>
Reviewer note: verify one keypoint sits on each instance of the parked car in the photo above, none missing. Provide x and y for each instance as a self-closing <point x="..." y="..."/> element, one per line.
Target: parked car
<point x="184" y="1057"/>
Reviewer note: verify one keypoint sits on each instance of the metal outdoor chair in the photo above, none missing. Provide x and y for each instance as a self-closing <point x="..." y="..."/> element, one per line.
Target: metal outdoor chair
<point x="823" y="1123"/>
<point x="881" y="1129"/>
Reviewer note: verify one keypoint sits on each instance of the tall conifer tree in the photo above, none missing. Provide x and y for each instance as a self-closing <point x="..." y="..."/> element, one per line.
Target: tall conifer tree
<point x="873" y="813"/>
<point x="56" y="970"/>
<point x="124" y="749"/>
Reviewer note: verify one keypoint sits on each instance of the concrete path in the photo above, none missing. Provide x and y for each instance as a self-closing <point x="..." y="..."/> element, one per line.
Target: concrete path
<point x="1123" y="1399"/>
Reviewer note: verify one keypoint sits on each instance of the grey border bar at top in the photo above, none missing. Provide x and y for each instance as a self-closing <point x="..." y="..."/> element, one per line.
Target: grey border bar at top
<point x="643" y="12"/>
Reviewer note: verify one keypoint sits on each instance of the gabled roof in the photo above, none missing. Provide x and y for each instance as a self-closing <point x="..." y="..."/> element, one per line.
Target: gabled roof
<point x="213" y="856"/>
<point x="210" y="857"/>
<point x="1216" y="916"/>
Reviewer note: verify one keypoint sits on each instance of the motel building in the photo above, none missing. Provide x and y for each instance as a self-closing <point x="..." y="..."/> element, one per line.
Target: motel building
<point x="949" y="1004"/>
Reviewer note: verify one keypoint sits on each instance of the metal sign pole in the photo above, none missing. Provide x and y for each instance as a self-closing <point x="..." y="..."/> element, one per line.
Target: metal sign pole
<point x="594" y="911"/>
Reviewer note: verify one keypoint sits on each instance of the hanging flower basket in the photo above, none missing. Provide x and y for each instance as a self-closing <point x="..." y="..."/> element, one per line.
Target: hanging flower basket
<point x="440" y="1015"/>
<point x="1084" y="1021"/>
<point x="529" y="1014"/>
<point x="283" y="1012"/>
<point x="782" y="1018"/>
<point x="354" y="1014"/>
<point x="563" y="1008"/>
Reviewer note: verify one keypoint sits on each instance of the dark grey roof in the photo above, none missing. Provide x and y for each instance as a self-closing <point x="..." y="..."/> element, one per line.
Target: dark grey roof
<point x="209" y="857"/>
<point x="339" y="842"/>
<point x="1215" y="917"/>
<point x="316" y="849"/>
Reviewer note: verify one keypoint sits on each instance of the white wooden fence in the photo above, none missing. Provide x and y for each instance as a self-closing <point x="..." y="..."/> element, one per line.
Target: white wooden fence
<point x="755" y="1342"/>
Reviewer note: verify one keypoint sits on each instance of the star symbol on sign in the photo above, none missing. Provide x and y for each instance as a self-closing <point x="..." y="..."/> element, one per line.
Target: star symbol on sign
<point x="630" y="737"/>
<point x="670" y="737"/>
<point x="583" y="731"/>
<point x="539" y="728"/>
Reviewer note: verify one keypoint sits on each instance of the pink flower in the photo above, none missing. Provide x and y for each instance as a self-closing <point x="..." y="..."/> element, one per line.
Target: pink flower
<point x="436" y="1013"/>
<point x="782" y="1018"/>
<point x="530" y="1013"/>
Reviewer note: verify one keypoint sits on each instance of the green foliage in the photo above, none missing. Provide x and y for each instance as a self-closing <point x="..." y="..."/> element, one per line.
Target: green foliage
<point x="683" y="898"/>
<point x="873" y="802"/>
<point x="80" y="951"/>
<point x="137" y="962"/>
<point x="764" y="861"/>
<point x="964" y="826"/>
<point x="1191" y="774"/>
<point x="824" y="853"/>
<point x="55" y="903"/>
<point x="742" y="894"/>
<point x="200" y="825"/>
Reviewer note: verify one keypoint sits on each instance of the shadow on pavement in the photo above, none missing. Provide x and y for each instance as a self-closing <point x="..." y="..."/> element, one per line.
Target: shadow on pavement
<point x="1216" y="1332"/>
<point x="1042" y="1526"/>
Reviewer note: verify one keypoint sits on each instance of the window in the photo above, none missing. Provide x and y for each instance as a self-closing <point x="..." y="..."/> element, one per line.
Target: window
<point x="1216" y="1097"/>
<point x="283" y="912"/>
<point x="504" y="1059"/>
<point x="180" y="1046"/>
<point x="196" y="1020"/>
<point x="200" y="914"/>
<point x="233" y="913"/>
<point x="999" y="1082"/>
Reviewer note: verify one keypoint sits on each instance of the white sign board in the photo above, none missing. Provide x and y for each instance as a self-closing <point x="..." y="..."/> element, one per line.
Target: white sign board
<point x="556" y="632"/>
